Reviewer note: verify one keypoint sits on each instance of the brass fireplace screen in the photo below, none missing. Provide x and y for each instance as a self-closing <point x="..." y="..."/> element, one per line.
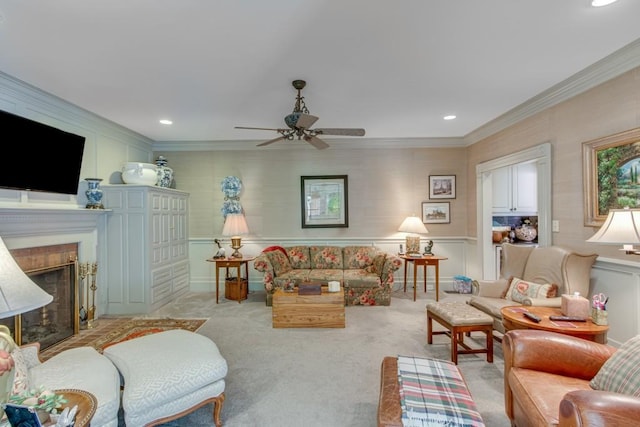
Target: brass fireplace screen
<point x="58" y="276"/>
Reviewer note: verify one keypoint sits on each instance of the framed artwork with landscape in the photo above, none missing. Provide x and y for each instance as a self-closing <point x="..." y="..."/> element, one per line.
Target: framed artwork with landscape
<point x="436" y="213"/>
<point x="611" y="175"/>
<point x="324" y="201"/>
<point x="442" y="186"/>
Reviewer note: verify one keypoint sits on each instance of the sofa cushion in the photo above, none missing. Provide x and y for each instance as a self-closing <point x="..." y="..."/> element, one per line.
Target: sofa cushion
<point x="325" y="275"/>
<point x="359" y="256"/>
<point x="296" y="276"/>
<point x="280" y="262"/>
<point x="360" y="279"/>
<point x="299" y="257"/>
<point x="621" y="372"/>
<point x="326" y="257"/>
<point x="519" y="290"/>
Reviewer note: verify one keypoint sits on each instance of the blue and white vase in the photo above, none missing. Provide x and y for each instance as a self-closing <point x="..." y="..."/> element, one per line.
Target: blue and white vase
<point x="94" y="193"/>
<point x="165" y="173"/>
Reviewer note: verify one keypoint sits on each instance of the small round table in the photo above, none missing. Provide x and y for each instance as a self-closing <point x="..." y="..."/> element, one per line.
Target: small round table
<point x="87" y="404"/>
<point x="512" y="318"/>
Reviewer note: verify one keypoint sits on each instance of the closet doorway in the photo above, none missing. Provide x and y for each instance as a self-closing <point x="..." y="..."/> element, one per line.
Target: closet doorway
<point x="541" y="155"/>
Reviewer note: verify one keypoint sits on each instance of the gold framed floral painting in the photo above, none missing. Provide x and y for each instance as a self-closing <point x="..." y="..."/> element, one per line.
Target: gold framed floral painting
<point x="611" y="175"/>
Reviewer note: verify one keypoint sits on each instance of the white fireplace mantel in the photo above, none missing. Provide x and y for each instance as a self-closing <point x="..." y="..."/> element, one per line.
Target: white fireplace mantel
<point x="25" y="222"/>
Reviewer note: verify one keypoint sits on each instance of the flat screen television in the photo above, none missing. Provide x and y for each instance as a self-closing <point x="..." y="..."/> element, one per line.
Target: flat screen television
<point x="44" y="158"/>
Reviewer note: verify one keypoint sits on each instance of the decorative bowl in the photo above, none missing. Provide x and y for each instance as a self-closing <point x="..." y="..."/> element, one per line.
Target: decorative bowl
<point x="526" y="233"/>
<point x="139" y="173"/>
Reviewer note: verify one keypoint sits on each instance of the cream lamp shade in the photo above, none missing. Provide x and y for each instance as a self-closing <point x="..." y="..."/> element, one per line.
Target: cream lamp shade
<point x="622" y="227"/>
<point x="235" y="226"/>
<point x="18" y="294"/>
<point x="414" y="227"/>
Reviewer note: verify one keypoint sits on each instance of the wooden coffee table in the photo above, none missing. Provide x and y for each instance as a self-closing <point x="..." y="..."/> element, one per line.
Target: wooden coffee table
<point x="512" y="318"/>
<point x="291" y="310"/>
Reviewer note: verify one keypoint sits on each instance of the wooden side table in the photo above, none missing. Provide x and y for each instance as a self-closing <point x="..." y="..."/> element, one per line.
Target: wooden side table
<point x="236" y="263"/>
<point x="87" y="404"/>
<point x="423" y="261"/>
<point x="512" y="318"/>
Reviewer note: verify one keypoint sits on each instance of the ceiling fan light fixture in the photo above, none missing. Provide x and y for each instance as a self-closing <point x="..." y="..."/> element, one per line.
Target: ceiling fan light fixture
<point x="299" y="122"/>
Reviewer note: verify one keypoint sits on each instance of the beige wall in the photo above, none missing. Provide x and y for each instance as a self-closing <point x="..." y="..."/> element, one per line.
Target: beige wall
<point x="607" y="109"/>
<point x="385" y="185"/>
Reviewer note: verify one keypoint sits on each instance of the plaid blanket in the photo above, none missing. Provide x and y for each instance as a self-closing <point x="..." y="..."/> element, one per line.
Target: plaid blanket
<point x="433" y="393"/>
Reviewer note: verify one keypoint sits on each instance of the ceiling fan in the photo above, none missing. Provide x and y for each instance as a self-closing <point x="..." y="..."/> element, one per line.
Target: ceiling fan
<point x="299" y="123"/>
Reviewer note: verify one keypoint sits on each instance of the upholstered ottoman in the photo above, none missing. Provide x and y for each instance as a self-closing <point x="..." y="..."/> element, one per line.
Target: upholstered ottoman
<point x="167" y="375"/>
<point x="460" y="318"/>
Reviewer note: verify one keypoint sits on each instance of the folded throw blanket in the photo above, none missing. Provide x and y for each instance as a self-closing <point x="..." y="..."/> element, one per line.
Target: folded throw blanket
<point x="433" y="393"/>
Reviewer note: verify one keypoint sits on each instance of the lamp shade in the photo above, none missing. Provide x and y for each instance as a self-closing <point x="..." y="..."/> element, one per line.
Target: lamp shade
<point x="622" y="226"/>
<point x="235" y="225"/>
<point x="413" y="224"/>
<point x="18" y="293"/>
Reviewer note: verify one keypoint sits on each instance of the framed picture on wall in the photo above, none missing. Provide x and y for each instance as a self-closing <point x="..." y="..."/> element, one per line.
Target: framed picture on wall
<point x="611" y="175"/>
<point x="436" y="213"/>
<point x="442" y="186"/>
<point x="324" y="201"/>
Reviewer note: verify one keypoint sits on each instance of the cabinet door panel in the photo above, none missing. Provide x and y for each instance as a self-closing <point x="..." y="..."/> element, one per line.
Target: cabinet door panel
<point x="501" y="184"/>
<point x="525" y="179"/>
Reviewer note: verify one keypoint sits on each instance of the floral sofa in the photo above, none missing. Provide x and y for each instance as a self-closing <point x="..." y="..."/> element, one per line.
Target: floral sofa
<point x="366" y="272"/>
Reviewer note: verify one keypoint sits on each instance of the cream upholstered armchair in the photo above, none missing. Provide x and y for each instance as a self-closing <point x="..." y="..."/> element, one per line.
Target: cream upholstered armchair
<point x="570" y="271"/>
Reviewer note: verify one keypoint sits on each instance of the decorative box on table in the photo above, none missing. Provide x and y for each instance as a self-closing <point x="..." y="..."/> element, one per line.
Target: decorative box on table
<point x="310" y="289"/>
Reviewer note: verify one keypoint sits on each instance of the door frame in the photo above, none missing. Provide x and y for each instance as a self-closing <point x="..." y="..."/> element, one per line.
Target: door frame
<point x="541" y="154"/>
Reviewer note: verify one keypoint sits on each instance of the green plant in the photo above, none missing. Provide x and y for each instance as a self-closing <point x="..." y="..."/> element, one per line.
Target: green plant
<point x="40" y="398"/>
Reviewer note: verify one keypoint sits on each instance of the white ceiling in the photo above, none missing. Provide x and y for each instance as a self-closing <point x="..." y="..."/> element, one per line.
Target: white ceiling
<point x="394" y="68"/>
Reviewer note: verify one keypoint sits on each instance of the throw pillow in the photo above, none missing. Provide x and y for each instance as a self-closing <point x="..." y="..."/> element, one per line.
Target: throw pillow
<point x="621" y="372"/>
<point x="21" y="379"/>
<point x="378" y="264"/>
<point x="279" y="262"/>
<point x="519" y="290"/>
<point x="275" y="248"/>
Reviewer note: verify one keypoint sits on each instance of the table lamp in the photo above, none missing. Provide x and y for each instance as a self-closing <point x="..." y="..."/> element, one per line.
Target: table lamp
<point x="622" y="227"/>
<point x="414" y="227"/>
<point x="18" y="294"/>
<point x="235" y="225"/>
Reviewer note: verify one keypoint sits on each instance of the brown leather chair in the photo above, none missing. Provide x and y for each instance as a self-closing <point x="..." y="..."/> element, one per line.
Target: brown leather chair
<point x="546" y="382"/>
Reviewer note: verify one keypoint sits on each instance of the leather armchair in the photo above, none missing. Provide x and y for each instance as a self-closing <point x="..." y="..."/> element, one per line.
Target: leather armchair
<point x="546" y="382"/>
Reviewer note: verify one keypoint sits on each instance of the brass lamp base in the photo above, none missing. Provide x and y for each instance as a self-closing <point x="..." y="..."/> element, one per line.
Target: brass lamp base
<point x="236" y="244"/>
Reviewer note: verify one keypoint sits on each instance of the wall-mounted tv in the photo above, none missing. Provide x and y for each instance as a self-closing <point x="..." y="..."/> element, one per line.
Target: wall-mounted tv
<point x="43" y="157"/>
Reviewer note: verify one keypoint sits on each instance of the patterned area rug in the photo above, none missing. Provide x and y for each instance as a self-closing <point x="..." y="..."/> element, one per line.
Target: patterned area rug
<point x="139" y="327"/>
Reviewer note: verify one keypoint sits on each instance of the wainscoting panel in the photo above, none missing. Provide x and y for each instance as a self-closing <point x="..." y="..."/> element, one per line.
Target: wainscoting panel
<point x="620" y="281"/>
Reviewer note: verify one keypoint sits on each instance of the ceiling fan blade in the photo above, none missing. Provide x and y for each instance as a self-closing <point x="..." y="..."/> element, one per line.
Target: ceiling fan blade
<point x="305" y="121"/>
<point x="245" y="127"/>
<point x="316" y="142"/>
<point x="271" y="141"/>
<point x="339" y="131"/>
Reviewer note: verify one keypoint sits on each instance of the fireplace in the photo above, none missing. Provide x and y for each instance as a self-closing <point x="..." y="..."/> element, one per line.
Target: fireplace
<point x="55" y="269"/>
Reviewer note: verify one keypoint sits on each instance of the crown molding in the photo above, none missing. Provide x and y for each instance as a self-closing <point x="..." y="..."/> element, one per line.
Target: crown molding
<point x="610" y="67"/>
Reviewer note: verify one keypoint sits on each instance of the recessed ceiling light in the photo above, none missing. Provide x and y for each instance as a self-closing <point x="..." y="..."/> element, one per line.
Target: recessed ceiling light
<point x="166" y="122"/>
<point x="598" y="3"/>
<point x="449" y="117"/>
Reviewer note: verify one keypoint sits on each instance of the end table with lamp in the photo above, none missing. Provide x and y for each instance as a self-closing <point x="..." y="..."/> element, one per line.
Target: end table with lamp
<point x="240" y="285"/>
<point x="424" y="261"/>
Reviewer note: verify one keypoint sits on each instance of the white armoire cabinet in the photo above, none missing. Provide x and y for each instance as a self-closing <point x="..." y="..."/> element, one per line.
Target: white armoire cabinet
<point x="144" y="243"/>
